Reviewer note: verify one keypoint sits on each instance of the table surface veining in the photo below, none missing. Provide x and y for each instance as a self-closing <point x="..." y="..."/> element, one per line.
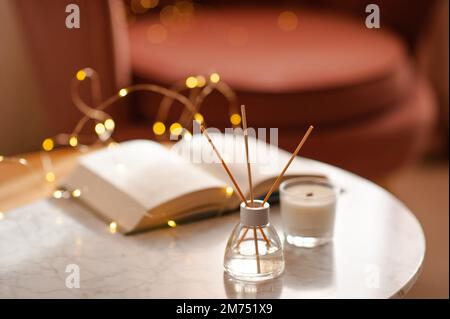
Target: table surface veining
<point x="377" y="252"/>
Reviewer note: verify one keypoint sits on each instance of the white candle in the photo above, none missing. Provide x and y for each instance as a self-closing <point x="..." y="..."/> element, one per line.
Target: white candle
<point x="308" y="211"/>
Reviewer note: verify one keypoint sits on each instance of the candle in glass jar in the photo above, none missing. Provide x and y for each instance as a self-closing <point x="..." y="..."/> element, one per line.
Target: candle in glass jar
<point x="308" y="210"/>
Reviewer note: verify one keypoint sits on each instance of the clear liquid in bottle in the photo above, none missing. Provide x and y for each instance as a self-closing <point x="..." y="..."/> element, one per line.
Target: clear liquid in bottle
<point x="254" y="251"/>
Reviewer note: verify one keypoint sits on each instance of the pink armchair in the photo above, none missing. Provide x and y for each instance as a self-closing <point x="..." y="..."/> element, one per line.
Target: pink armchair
<point x="373" y="111"/>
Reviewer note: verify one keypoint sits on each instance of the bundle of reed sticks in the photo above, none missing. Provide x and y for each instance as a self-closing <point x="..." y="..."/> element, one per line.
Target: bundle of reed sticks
<point x="249" y="172"/>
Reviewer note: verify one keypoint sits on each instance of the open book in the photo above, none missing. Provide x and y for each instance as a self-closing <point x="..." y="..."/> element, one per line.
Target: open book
<point x="141" y="184"/>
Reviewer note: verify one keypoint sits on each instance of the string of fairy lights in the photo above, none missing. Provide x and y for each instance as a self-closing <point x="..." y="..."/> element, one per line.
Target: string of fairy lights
<point x="198" y="87"/>
<point x="180" y="13"/>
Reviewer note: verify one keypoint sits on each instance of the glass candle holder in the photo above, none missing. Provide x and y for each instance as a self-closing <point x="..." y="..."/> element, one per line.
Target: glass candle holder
<point x="254" y="251"/>
<point x="308" y="207"/>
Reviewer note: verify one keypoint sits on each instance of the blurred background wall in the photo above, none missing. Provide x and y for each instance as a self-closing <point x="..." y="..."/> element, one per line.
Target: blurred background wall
<point x="22" y="123"/>
<point x="327" y="70"/>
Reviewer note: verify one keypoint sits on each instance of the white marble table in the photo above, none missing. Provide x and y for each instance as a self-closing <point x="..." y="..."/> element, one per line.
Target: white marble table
<point x="378" y="251"/>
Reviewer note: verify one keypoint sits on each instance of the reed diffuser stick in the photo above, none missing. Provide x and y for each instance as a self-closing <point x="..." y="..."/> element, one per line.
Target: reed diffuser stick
<point x="202" y="128"/>
<point x="242" y="236"/>
<point x="262" y="233"/>
<point x="264" y="236"/>
<point x="249" y="171"/>
<point x="278" y="180"/>
<point x="258" y="264"/>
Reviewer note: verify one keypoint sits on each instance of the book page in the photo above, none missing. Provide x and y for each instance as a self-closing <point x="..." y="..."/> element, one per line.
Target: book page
<point x="148" y="172"/>
<point x="267" y="161"/>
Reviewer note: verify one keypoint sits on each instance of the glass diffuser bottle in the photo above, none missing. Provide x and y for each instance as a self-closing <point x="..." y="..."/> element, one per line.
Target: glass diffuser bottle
<point x="254" y="251"/>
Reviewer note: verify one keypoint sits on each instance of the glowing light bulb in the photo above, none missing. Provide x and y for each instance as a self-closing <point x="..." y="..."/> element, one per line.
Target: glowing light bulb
<point x="48" y="144"/>
<point x="57" y="194"/>
<point x="81" y="75"/>
<point x="172" y="223"/>
<point x="100" y="128"/>
<point x="235" y="119"/>
<point x="23" y="161"/>
<point x="176" y="128"/>
<point x="229" y="191"/>
<point x="113" y="227"/>
<point x="76" y="193"/>
<point x="73" y="141"/>
<point x="123" y="92"/>
<point x="214" y="77"/>
<point x="109" y="124"/>
<point x="159" y="128"/>
<point x="1" y="158"/>
<point x="191" y="82"/>
<point x="50" y="177"/>
<point x="198" y="118"/>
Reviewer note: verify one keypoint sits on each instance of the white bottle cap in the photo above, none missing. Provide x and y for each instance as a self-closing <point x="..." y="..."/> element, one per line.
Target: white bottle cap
<point x="255" y="214"/>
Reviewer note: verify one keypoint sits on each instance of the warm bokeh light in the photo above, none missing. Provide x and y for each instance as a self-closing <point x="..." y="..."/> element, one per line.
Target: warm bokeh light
<point x="2" y="215"/>
<point x="149" y="4"/>
<point x="156" y="33"/>
<point x="1" y="158"/>
<point x="109" y="124"/>
<point x="185" y="8"/>
<point x="235" y="119"/>
<point x="169" y="15"/>
<point x="76" y="193"/>
<point x="73" y="141"/>
<point x="123" y="92"/>
<point x="159" y="128"/>
<point x="176" y="128"/>
<point x="100" y="128"/>
<point x="198" y="118"/>
<point x="141" y="6"/>
<point x="201" y="81"/>
<point x="81" y="75"/>
<point x="214" y="77"/>
<point x="57" y="194"/>
<point x="191" y="82"/>
<point x="172" y="223"/>
<point x="50" y="177"/>
<point x="112" y="145"/>
<point x="229" y="191"/>
<point x="287" y="21"/>
<point x="113" y="227"/>
<point x="23" y="161"/>
<point x="48" y="144"/>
